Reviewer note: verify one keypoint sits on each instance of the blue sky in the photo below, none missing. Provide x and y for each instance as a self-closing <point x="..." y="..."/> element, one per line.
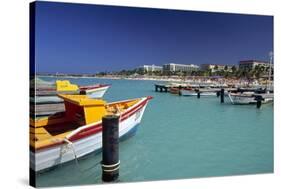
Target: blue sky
<point x="80" y="38"/>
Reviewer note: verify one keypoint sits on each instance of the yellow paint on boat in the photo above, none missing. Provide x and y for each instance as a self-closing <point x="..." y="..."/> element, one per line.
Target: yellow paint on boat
<point x="80" y="111"/>
<point x="93" y="109"/>
<point x="65" y="85"/>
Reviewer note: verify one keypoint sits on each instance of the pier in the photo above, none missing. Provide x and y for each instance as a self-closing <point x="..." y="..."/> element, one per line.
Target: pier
<point x="161" y="88"/>
<point x="236" y="95"/>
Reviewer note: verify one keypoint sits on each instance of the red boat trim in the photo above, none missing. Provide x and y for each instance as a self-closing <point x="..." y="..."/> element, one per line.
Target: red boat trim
<point x="93" y="87"/>
<point x="94" y="129"/>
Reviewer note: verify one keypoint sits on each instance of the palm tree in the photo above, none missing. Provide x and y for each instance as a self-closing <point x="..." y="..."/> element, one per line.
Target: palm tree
<point x="216" y="67"/>
<point x="225" y="67"/>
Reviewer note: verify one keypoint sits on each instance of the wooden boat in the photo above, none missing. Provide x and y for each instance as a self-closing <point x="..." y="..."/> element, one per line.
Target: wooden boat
<point x="78" y="131"/>
<point x="174" y="90"/>
<point x="46" y="101"/>
<point x="193" y="92"/>
<point x="48" y="94"/>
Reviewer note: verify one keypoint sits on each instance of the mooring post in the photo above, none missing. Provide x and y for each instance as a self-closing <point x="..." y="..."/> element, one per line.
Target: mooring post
<point x="180" y="87"/>
<point x="198" y="94"/>
<point x="218" y="94"/>
<point x="258" y="98"/>
<point x="222" y="95"/>
<point x="156" y="88"/>
<point x="110" y="148"/>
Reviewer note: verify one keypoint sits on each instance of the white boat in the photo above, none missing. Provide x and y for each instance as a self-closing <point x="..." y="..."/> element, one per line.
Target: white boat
<point x="48" y="96"/>
<point x="193" y="92"/>
<point x="53" y="143"/>
<point x="249" y="98"/>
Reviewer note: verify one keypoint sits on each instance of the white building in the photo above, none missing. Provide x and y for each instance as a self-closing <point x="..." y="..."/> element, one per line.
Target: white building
<point x="151" y="68"/>
<point x="172" y="67"/>
<point x="251" y="64"/>
<point x="216" y="67"/>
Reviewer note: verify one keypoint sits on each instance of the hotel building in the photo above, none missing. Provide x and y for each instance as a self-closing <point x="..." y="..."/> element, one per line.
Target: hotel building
<point x="151" y="68"/>
<point x="251" y="64"/>
<point x="172" y="67"/>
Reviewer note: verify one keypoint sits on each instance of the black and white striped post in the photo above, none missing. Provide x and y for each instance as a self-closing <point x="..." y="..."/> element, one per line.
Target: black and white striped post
<point x="110" y="148"/>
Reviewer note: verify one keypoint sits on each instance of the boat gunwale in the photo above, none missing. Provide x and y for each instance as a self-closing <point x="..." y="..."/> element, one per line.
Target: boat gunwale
<point x="96" y="127"/>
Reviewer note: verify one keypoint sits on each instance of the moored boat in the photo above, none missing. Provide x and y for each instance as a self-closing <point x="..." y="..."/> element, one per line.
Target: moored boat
<point x="49" y="94"/>
<point x="78" y="131"/>
<point x="249" y="98"/>
<point x="46" y="102"/>
<point x="193" y="92"/>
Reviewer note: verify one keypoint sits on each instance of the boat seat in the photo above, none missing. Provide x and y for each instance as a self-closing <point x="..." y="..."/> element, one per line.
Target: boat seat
<point x="41" y="134"/>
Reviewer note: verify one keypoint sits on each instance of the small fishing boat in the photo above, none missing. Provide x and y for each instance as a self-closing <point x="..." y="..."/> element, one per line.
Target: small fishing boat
<point x="175" y="90"/>
<point x="193" y="92"/>
<point x="78" y="131"/>
<point x="249" y="97"/>
<point x="48" y="94"/>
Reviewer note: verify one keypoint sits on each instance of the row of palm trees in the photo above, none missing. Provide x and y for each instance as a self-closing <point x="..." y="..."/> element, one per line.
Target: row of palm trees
<point x="255" y="73"/>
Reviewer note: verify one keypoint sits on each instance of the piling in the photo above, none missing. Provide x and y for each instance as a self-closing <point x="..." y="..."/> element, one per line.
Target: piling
<point x="110" y="148"/>
<point x="198" y="94"/>
<point x="218" y="93"/>
<point x="156" y="88"/>
<point x="258" y="98"/>
<point x="222" y="95"/>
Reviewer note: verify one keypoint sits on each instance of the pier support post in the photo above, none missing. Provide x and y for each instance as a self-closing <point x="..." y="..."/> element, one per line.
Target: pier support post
<point x="222" y="95"/>
<point x="180" y="87"/>
<point x="258" y="99"/>
<point x="218" y="94"/>
<point x="198" y="94"/>
<point x="110" y="148"/>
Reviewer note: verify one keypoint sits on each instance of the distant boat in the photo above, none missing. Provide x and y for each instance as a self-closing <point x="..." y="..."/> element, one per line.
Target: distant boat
<point x="46" y="102"/>
<point x="174" y="90"/>
<point x="77" y="132"/>
<point x="194" y="92"/>
<point x="47" y="93"/>
<point x="249" y="97"/>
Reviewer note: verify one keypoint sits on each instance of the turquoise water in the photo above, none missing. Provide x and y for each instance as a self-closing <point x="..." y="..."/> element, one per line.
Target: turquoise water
<point x="179" y="137"/>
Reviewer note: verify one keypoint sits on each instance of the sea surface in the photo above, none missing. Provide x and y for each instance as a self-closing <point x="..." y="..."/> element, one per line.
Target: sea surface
<point x="179" y="137"/>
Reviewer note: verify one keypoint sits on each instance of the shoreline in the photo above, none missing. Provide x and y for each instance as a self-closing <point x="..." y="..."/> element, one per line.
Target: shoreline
<point x="203" y="80"/>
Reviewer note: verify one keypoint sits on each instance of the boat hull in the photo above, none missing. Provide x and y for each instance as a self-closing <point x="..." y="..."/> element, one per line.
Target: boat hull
<point x="96" y="92"/>
<point x="248" y="99"/>
<point x="194" y="93"/>
<point x="49" y="157"/>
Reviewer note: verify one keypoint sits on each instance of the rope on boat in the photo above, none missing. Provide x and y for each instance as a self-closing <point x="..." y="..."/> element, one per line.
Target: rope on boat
<point x="230" y="97"/>
<point x="73" y="149"/>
